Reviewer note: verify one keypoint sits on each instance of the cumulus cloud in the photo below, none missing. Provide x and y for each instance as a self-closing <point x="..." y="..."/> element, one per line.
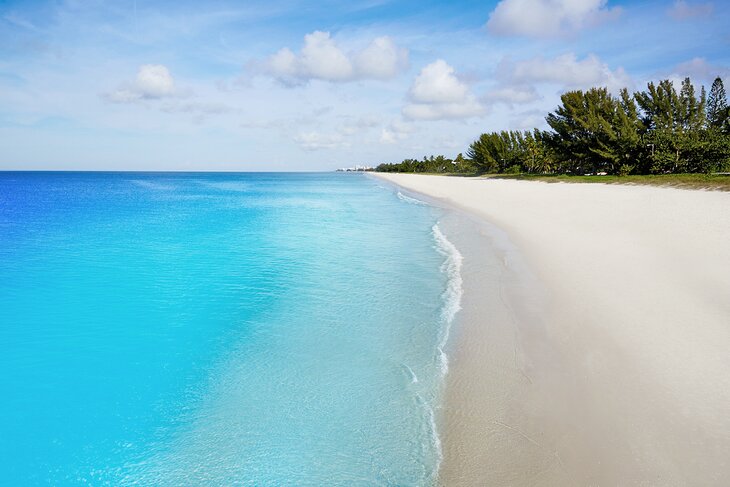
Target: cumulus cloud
<point x="437" y="94"/>
<point x="569" y="72"/>
<point x="321" y="58"/>
<point x="547" y="18"/>
<point x="382" y="59"/>
<point x="437" y="84"/>
<point x="682" y="10"/>
<point x="153" y="81"/>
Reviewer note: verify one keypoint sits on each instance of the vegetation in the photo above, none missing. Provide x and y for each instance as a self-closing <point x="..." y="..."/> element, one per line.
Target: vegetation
<point x="717" y="110"/>
<point x="652" y="132"/>
<point x="689" y="181"/>
<point x="438" y="164"/>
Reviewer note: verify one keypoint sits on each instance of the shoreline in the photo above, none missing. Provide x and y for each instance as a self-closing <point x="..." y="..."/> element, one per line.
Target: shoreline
<point x="495" y="280"/>
<point x="489" y="372"/>
<point x="617" y="375"/>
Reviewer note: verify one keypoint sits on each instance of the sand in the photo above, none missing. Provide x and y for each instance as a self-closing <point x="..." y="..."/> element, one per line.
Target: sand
<point x="594" y="343"/>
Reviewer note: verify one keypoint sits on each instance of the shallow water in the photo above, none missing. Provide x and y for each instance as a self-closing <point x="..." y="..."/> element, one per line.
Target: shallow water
<point x="219" y="329"/>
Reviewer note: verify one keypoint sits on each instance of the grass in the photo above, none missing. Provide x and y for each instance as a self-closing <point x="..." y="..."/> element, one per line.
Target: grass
<point x="716" y="182"/>
<point x="720" y="182"/>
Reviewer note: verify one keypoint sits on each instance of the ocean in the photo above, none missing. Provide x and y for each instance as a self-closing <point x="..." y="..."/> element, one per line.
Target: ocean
<point x="212" y="329"/>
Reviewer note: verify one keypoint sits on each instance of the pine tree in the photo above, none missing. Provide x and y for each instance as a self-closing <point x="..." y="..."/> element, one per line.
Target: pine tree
<point x="596" y="132"/>
<point x="661" y="106"/>
<point x="717" y="109"/>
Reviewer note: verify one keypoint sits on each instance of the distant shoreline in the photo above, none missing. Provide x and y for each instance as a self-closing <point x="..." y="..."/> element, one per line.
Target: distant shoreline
<point x="618" y="376"/>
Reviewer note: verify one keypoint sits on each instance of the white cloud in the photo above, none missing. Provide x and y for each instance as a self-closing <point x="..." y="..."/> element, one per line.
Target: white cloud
<point x="437" y="93"/>
<point x="153" y="81"/>
<point x="312" y="141"/>
<point x="547" y="18"/>
<point x="528" y="120"/>
<point x="382" y="59"/>
<point x="354" y="127"/>
<point x="321" y="58"/>
<point x="698" y="68"/>
<point x="513" y="94"/>
<point x="437" y="84"/>
<point x="570" y="72"/>
<point x="387" y="136"/>
<point x="283" y="63"/>
<point x="443" y="111"/>
<point x="682" y="10"/>
<point x="199" y="111"/>
<point x="396" y="131"/>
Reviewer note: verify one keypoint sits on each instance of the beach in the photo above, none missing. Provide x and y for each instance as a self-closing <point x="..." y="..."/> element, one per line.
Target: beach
<point x="593" y="347"/>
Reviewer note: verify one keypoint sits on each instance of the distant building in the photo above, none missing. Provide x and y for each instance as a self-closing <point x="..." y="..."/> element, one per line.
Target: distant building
<point x="356" y="169"/>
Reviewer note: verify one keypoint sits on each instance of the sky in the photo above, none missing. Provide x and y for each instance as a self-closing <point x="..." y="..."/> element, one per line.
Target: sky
<point x="284" y="85"/>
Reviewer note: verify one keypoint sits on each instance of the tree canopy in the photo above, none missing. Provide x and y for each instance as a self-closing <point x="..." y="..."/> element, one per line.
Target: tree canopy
<point x="655" y="131"/>
<point x="718" y="115"/>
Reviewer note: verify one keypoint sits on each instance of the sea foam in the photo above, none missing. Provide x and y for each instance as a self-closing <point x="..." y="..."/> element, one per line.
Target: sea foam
<point x="451" y="305"/>
<point x="410" y="200"/>
<point x="454" y="287"/>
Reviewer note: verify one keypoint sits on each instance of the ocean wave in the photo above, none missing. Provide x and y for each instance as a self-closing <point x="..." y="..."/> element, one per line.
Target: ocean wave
<point x="451" y="305"/>
<point x="454" y="287"/>
<point x="412" y="375"/>
<point x="410" y="200"/>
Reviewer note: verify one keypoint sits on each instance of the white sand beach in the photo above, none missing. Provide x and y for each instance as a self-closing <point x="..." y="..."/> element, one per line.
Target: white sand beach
<point x="613" y="368"/>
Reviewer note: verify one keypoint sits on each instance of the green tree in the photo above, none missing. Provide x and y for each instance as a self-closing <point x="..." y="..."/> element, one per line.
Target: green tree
<point x="595" y="132"/>
<point x="463" y="165"/>
<point x="659" y="105"/>
<point x="717" y="108"/>
<point x="705" y="151"/>
<point x="659" y="130"/>
<point x="536" y="156"/>
<point x="673" y="127"/>
<point x="691" y="109"/>
<point x="490" y="152"/>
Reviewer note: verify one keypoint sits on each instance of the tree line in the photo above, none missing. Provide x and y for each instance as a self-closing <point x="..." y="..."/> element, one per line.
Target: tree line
<point x="660" y="130"/>
<point x="432" y="164"/>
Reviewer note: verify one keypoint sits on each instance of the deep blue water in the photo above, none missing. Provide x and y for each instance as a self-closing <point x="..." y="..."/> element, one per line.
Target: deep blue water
<point x="218" y="329"/>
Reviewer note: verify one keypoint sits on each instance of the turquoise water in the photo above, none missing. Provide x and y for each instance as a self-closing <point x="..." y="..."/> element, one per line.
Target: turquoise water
<point x="219" y="329"/>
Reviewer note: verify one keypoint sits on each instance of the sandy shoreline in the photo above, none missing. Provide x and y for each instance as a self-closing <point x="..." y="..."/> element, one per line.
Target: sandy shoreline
<point x="613" y="367"/>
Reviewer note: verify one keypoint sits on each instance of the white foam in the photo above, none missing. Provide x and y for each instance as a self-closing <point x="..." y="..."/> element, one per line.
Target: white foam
<point x="450" y="307"/>
<point x="454" y="288"/>
<point x="410" y="200"/>
<point x="413" y="376"/>
<point x="436" y="442"/>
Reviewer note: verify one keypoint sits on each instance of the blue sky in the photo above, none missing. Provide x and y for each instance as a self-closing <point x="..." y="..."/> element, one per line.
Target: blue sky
<point x="288" y="85"/>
